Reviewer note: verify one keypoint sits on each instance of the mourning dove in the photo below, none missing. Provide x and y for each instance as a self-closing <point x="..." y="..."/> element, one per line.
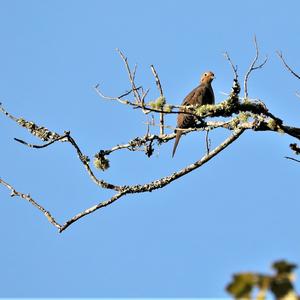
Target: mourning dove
<point x="202" y="94"/>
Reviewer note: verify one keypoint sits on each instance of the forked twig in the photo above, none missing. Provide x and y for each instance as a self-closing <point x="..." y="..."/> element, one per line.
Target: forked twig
<point x="253" y="67"/>
<point x="131" y="76"/>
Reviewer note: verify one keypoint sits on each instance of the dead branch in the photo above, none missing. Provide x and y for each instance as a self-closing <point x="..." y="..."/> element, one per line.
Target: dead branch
<point x="123" y="190"/>
<point x="31" y="201"/>
<point x="158" y="84"/>
<point x="45" y="135"/>
<point x="207" y="141"/>
<point x="291" y="158"/>
<point x="253" y="67"/>
<point x="280" y="55"/>
<point x="131" y="76"/>
<point x="61" y="138"/>
<point x="90" y="210"/>
<point x="233" y="67"/>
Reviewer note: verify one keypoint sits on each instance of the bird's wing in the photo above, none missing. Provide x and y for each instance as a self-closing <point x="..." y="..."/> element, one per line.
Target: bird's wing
<point x="191" y="98"/>
<point x="185" y="121"/>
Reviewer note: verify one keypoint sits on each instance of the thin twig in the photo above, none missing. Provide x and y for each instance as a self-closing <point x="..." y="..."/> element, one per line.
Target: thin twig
<point x="83" y="158"/>
<point x="279" y="53"/>
<point x="61" y="138"/>
<point x="233" y="67"/>
<point x="131" y="76"/>
<point x="253" y="67"/>
<point x="141" y="105"/>
<point x="119" y="98"/>
<point x="157" y="80"/>
<point x="90" y="210"/>
<point x="158" y="84"/>
<point x="291" y="158"/>
<point x="85" y="162"/>
<point x="7" y="113"/>
<point x="33" y="202"/>
<point x="207" y="141"/>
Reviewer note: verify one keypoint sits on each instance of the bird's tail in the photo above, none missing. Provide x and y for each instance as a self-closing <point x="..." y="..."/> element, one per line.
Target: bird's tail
<point x="178" y="136"/>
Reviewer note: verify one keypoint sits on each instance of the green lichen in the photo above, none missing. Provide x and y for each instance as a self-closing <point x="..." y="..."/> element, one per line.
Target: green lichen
<point x="203" y="110"/>
<point x="167" y="108"/>
<point x="160" y="101"/>
<point x="279" y="130"/>
<point x="152" y="105"/>
<point x="39" y="131"/>
<point x="272" y="124"/>
<point x="101" y="162"/>
<point x="244" y="117"/>
<point x="242" y="285"/>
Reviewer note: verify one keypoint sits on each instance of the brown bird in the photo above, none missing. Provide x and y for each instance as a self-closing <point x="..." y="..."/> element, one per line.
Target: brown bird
<point x="202" y="94"/>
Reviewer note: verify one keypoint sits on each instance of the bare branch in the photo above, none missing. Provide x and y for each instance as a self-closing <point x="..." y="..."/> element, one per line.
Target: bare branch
<point x="233" y="67"/>
<point x="83" y="158"/>
<point x="33" y="202"/>
<point x="90" y="210"/>
<point x="157" y="183"/>
<point x="131" y="76"/>
<point x="7" y="113"/>
<point x="253" y="67"/>
<point x="280" y="55"/>
<point x="157" y="80"/>
<point x="61" y="138"/>
<point x="160" y="183"/>
<point x="158" y="84"/>
<point x="85" y="162"/>
<point x="141" y="105"/>
<point x="291" y="158"/>
<point x="119" y="98"/>
<point x="129" y="189"/>
<point x="207" y="141"/>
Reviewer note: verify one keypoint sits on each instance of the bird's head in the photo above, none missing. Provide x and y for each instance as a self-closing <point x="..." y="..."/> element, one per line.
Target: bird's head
<point x="207" y="77"/>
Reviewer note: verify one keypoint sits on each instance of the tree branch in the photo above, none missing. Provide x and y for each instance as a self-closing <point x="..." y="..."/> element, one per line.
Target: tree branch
<point x="280" y="55"/>
<point x="253" y="67"/>
<point x="46" y="135"/>
<point x="123" y="190"/>
<point x="246" y="115"/>
<point x="131" y="77"/>
<point x="158" y="84"/>
<point x="160" y="183"/>
<point x="31" y="201"/>
<point x="90" y="210"/>
<point x="291" y="158"/>
<point x="233" y="67"/>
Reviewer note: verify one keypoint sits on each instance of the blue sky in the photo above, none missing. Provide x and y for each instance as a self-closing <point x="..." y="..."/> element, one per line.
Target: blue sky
<point x="240" y="212"/>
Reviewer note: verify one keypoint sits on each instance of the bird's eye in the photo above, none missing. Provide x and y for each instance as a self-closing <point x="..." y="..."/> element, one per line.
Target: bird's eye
<point x="205" y="74"/>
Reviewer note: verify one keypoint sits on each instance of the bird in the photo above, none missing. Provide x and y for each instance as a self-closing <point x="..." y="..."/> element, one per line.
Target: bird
<point x="201" y="95"/>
